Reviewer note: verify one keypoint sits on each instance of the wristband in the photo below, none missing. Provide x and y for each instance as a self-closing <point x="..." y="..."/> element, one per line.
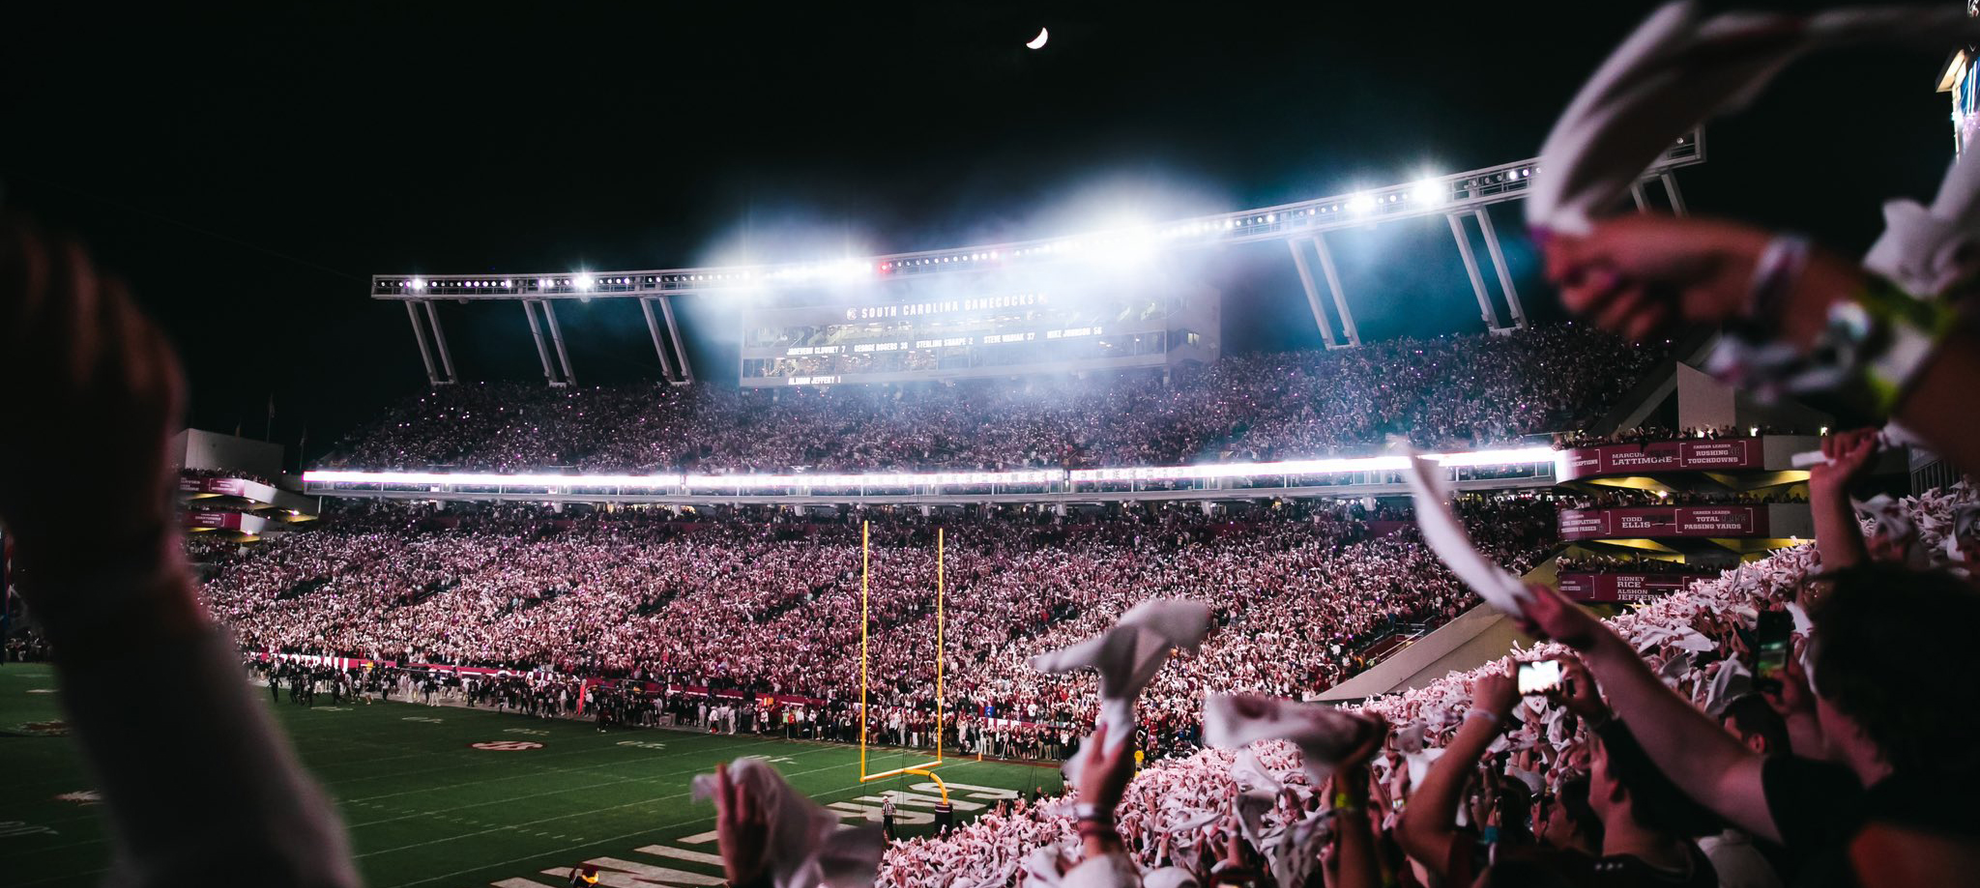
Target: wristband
<point x="1905" y="333"/>
<point x="1874" y="344"/>
<point x="1090" y="813"/>
<point x="1475" y="712"/>
<point x="1342" y="802"/>
<point x="1093" y="829"/>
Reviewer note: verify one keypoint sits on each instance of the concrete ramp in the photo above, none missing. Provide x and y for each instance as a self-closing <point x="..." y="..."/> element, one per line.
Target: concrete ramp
<point x="1476" y="637"/>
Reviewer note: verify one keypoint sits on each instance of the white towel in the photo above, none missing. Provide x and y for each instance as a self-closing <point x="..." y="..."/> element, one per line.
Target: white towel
<point x="806" y="846"/>
<point x="1257" y="794"/>
<point x="1323" y="734"/>
<point x="1681" y="67"/>
<point x="1446" y="537"/>
<point x="1127" y="657"/>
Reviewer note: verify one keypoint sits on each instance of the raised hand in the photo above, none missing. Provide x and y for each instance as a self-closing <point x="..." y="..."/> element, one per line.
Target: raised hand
<point x="742" y="830"/>
<point x="1641" y="273"/>
<point x="1496" y="693"/>
<point x="1578" y="692"/>
<point x="1548" y="614"/>
<point x="1636" y="274"/>
<point x="1850" y="455"/>
<point x="1105" y="774"/>
<point x="97" y="401"/>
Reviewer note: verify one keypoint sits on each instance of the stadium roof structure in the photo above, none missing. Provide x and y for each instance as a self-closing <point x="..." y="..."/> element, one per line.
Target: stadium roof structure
<point x="1301" y="224"/>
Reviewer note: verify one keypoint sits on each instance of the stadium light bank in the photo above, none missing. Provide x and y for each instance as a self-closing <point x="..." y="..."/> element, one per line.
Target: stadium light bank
<point x="1526" y="456"/>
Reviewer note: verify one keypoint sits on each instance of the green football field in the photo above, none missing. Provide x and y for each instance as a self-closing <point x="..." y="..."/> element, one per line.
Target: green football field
<point x="425" y="806"/>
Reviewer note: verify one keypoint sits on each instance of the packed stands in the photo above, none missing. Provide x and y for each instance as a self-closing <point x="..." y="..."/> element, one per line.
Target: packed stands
<point x="769" y="602"/>
<point x="1457" y="392"/>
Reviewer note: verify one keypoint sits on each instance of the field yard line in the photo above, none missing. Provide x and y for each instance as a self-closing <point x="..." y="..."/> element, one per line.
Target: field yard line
<point x="608" y="839"/>
<point x="469" y="759"/>
<point x="454" y="837"/>
<point x="538" y="771"/>
<point x="351" y="826"/>
<point x="621" y="780"/>
<point x="327" y="786"/>
<point x="593" y="811"/>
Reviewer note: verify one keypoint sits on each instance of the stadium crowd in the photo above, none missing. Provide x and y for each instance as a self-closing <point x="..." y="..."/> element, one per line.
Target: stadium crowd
<point x="1629" y="564"/>
<point x="767" y="600"/>
<point x="1556" y="787"/>
<point x="1809" y="718"/>
<point x="1457" y="392"/>
<point x="1651" y="434"/>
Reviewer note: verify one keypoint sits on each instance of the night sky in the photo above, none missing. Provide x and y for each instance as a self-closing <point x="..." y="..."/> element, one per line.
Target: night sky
<point x="248" y="172"/>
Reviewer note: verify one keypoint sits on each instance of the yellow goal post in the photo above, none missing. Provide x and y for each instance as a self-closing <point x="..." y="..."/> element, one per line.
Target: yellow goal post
<point x="925" y="769"/>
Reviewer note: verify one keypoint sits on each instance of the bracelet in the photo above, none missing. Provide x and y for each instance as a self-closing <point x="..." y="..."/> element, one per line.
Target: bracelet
<point x="1475" y="712"/>
<point x="1094" y="829"/>
<point x="1910" y="331"/>
<point x="1873" y="346"/>
<point x="1342" y="802"/>
<point x="1087" y="812"/>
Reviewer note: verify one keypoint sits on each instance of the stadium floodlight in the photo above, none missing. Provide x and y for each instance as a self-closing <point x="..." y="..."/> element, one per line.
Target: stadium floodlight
<point x="489" y="479"/>
<point x="1525" y="456"/>
<point x="584" y="281"/>
<point x="1429" y="190"/>
<point x="1361" y="204"/>
<point x="419" y="283"/>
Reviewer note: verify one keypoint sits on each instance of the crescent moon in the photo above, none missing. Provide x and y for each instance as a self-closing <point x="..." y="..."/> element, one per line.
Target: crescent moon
<point x="1039" y="41"/>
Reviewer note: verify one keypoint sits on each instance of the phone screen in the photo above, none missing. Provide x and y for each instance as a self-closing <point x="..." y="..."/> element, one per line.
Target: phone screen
<point x="1539" y="677"/>
<point x="1771" y="636"/>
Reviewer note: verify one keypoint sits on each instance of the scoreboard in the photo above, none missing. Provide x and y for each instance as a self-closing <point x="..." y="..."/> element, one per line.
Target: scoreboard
<point x="929" y="333"/>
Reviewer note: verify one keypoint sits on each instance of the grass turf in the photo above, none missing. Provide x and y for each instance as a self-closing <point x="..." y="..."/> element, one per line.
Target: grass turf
<point x="423" y="807"/>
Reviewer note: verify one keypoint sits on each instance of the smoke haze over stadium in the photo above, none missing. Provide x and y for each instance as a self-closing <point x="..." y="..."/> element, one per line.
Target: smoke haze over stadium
<point x="256" y="172"/>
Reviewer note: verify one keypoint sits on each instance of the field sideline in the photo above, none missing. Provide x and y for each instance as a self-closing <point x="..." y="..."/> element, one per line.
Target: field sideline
<point x="424" y="807"/>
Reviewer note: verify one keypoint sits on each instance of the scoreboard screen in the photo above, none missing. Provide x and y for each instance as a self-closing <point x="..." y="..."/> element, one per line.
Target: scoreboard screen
<point x="960" y="336"/>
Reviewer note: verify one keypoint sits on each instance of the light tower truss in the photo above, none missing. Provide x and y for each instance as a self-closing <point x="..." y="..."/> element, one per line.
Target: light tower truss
<point x="1462" y="198"/>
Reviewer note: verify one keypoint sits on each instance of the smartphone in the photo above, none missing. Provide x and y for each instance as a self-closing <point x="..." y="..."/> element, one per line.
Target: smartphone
<point x="1539" y="676"/>
<point x="1771" y="639"/>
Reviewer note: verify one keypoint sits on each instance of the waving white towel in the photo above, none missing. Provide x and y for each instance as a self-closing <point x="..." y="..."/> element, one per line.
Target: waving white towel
<point x="1681" y="67"/>
<point x="1324" y="735"/>
<point x="1127" y="657"/>
<point x="806" y="846"/>
<point x="1447" y="538"/>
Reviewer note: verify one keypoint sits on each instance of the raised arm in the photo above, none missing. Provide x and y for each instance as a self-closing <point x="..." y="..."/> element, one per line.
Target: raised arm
<point x="1358" y="865"/>
<point x="1711" y="766"/>
<point x="1428" y="830"/>
<point x="196" y="781"/>
<point x="1838" y="536"/>
<point x="1641" y="273"/>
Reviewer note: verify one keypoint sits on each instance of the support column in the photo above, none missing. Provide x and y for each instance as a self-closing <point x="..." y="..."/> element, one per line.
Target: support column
<point x="1312" y="293"/>
<point x="660" y="348"/>
<point x="542" y="350"/>
<point x="425" y="353"/>
<point x="1488" y="311"/>
<point x="557" y="339"/>
<point x="1499" y="263"/>
<point x="1636" y="194"/>
<point x="680" y="349"/>
<point x="1677" y="199"/>
<point x="440" y="339"/>
<point x="1333" y="277"/>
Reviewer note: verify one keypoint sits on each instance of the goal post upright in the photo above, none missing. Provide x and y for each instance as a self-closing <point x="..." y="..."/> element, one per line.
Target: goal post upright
<point x="940" y="593"/>
<point x="924" y="769"/>
<point x="864" y="547"/>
